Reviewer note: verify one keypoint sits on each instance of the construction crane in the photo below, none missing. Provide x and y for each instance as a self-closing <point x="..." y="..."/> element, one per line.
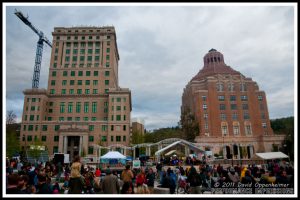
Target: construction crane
<point x="39" y="49"/>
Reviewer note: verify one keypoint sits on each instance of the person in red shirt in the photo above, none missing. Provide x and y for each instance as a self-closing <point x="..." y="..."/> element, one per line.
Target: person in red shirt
<point x="141" y="178"/>
<point x="98" y="172"/>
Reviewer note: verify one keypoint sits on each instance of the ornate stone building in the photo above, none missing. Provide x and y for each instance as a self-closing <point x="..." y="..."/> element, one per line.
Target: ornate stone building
<point x="83" y="105"/>
<point x="230" y="109"/>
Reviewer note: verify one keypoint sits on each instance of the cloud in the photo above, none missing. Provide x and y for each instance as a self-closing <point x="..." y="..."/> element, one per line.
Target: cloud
<point x="162" y="47"/>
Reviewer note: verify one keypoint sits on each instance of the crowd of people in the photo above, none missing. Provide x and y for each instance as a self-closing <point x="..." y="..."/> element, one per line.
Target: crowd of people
<point x="58" y="178"/>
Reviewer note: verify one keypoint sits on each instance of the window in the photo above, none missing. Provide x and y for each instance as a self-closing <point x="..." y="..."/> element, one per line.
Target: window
<point x="204" y="106"/>
<point x="79" y="91"/>
<point x="220" y="87"/>
<point x="107" y="64"/>
<point x="87" y="82"/>
<point x="260" y="97"/>
<point x="204" y="98"/>
<point x="264" y="125"/>
<point x="118" y="108"/>
<point x="106" y="73"/>
<point x="95" y="91"/>
<point x="124" y="138"/>
<point x="52" y="82"/>
<point x="24" y="128"/>
<point x="72" y="73"/>
<point x="221" y="98"/>
<point x="107" y="57"/>
<point x="70" y="107"/>
<point x="30" y="128"/>
<point x="103" y="138"/>
<point x="91" y="128"/>
<point x="124" y="107"/>
<point x="44" y="138"/>
<point x="263" y="116"/>
<point x="106" y="91"/>
<point x="88" y="73"/>
<point x="234" y="116"/>
<point x="65" y="73"/>
<point x="118" y="99"/>
<point x="107" y="50"/>
<point x="80" y="73"/>
<point x="118" y="117"/>
<point x="49" y="118"/>
<point x="112" y="127"/>
<point x="223" y="116"/>
<point x="205" y="116"/>
<point x="77" y="119"/>
<point x="112" y="118"/>
<point x="244" y="98"/>
<point x="224" y="130"/>
<point x="55" y="149"/>
<point x="87" y="91"/>
<point x="31" y="118"/>
<point x="206" y="126"/>
<point x="248" y="129"/>
<point x="63" y="91"/>
<point x="85" y="119"/>
<point x="233" y="106"/>
<point x="124" y="127"/>
<point x="61" y="119"/>
<point x="95" y="73"/>
<point x="243" y="87"/>
<point x="79" y="82"/>
<point x="245" y="106"/>
<point x="95" y="82"/>
<point x="232" y="98"/>
<point x="91" y="150"/>
<point x="54" y="65"/>
<point x="90" y="44"/>
<point x="105" y="110"/>
<point x="97" y="51"/>
<point x="222" y="107"/>
<point x="62" y="107"/>
<point x="90" y="51"/>
<point x="53" y="73"/>
<point x="72" y="82"/>
<point x="104" y="127"/>
<point x="94" y="118"/>
<point x="118" y="138"/>
<point x="97" y="44"/>
<point x="112" y="138"/>
<point x="67" y="51"/>
<point x="86" y="107"/>
<point x="82" y="58"/>
<point x="64" y="82"/>
<point x="94" y="107"/>
<point x="75" y="51"/>
<point x="246" y="115"/>
<point x="56" y="127"/>
<point x="106" y="82"/>
<point x="90" y="58"/>
<point x="236" y="129"/>
<point x="124" y="117"/>
<point x="29" y="138"/>
<point x="56" y="138"/>
<point x="230" y="87"/>
<point x="45" y="127"/>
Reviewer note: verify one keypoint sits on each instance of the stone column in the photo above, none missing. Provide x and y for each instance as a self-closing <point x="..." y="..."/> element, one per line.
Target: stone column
<point x="65" y="144"/>
<point x="239" y="153"/>
<point x="224" y="152"/>
<point x="80" y="145"/>
<point x="133" y="153"/>
<point x="251" y="151"/>
<point x="85" y="144"/>
<point x="148" y="151"/>
<point x="60" y="144"/>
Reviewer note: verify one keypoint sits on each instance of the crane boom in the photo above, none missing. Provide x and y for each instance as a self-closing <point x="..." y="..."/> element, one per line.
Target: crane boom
<point x="39" y="49"/>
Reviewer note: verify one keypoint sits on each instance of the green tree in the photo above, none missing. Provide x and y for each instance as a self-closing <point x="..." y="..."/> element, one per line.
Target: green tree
<point x="12" y="142"/>
<point x="189" y="125"/>
<point x="137" y="138"/>
<point x="35" y="150"/>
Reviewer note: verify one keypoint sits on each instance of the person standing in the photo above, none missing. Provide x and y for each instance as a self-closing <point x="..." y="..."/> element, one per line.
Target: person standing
<point x="76" y="182"/>
<point x="150" y="180"/>
<point x="110" y="184"/>
<point x="127" y="175"/>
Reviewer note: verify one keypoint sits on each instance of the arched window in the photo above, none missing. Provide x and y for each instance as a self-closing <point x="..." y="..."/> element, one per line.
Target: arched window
<point x="215" y="59"/>
<point x="220" y="87"/>
<point x="219" y="59"/>
<point x="243" y="87"/>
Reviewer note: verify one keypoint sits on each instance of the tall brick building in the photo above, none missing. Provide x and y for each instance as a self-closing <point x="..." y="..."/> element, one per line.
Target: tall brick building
<point x="230" y="109"/>
<point x="83" y="105"/>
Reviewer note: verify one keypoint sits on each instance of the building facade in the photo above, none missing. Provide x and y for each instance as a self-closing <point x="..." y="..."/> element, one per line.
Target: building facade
<point x="83" y="105"/>
<point x="230" y="109"/>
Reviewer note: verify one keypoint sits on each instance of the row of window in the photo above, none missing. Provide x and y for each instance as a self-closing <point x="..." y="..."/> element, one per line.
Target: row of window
<point x="90" y="37"/>
<point x="79" y="73"/>
<point x="81" y="65"/>
<point x="236" y="130"/>
<point x="231" y="87"/>
<point x="233" y="98"/>
<point x="234" y="116"/>
<point x="79" y="82"/>
<point x="91" y="128"/>
<point x="84" y="30"/>
<point x="82" y="58"/>
<point x="79" y="91"/>
<point x="34" y="99"/>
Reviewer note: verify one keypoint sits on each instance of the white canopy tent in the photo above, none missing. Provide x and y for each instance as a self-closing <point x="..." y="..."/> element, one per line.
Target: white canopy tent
<point x="113" y="155"/>
<point x="272" y="155"/>
<point x="170" y="152"/>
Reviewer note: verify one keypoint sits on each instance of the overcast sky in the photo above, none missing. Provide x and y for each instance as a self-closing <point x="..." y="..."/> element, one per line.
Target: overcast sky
<point x="162" y="47"/>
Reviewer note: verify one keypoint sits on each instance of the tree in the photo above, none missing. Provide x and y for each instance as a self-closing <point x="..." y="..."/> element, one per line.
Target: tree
<point x="189" y="125"/>
<point x="35" y="150"/>
<point x="137" y="138"/>
<point x="10" y="117"/>
<point x="12" y="142"/>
